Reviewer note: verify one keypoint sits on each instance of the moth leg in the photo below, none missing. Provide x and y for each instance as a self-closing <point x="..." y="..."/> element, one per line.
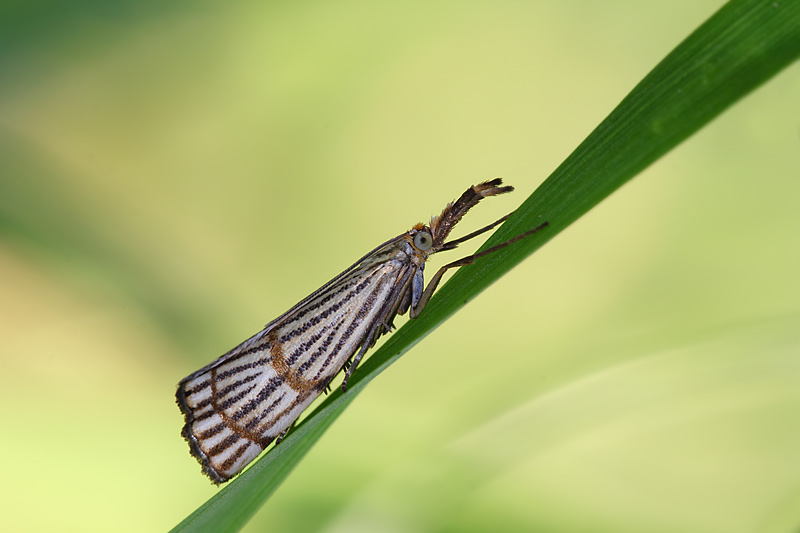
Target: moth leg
<point x="354" y="364"/>
<point x="405" y="303"/>
<point x="415" y="310"/>
<point x="285" y="432"/>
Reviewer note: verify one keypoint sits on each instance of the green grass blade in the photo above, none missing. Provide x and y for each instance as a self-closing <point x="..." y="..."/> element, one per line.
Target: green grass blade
<point x="740" y="47"/>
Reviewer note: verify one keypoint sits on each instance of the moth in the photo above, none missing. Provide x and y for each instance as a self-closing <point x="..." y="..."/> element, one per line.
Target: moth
<point x="237" y="405"/>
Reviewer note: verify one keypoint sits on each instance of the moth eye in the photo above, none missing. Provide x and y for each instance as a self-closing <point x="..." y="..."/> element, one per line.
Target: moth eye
<point x="423" y="241"/>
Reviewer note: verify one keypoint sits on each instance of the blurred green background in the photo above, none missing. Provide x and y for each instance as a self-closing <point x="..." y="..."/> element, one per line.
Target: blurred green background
<point x="174" y="177"/>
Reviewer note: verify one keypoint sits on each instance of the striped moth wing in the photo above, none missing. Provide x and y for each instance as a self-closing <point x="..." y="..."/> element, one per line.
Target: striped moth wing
<point x="237" y="405"/>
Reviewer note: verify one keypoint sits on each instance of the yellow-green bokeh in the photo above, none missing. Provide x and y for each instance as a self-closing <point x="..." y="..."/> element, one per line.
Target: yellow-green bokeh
<point x="173" y="179"/>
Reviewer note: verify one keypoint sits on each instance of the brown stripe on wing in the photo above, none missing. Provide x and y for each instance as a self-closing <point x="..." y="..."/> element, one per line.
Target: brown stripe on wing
<point x="230" y="420"/>
<point x="224" y="445"/>
<point x="204" y="397"/>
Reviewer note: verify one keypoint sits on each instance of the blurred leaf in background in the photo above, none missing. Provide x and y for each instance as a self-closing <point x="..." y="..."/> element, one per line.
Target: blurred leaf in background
<point x="171" y="179"/>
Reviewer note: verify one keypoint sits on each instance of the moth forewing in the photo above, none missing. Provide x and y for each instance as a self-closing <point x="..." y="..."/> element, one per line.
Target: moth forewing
<point x="237" y="405"/>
